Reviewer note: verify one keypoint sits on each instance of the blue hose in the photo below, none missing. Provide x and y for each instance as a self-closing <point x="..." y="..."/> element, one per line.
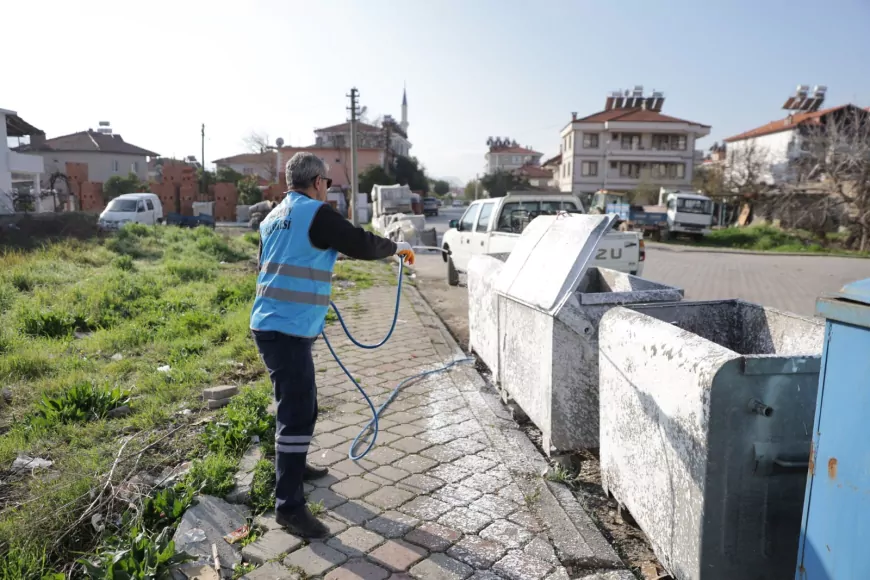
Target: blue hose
<point x="376" y="413"/>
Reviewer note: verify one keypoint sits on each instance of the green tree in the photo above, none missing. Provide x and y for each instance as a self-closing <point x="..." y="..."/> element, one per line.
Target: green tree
<point x="499" y="183"/>
<point x="249" y="190"/>
<point x="440" y="187"/>
<point x="117" y="185"/>
<point x="228" y="175"/>
<point x="374" y="175"/>
<point x="408" y="171"/>
<point x="205" y="178"/>
<point x="645" y="193"/>
<point x="470" y="189"/>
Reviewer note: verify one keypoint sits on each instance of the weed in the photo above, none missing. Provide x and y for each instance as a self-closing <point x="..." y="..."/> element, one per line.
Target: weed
<point x="533" y="497"/>
<point x="317" y="508"/>
<point x="217" y="247"/>
<point x="211" y="475"/>
<point x="124" y="263"/>
<point x="83" y="402"/>
<point x="242" y="568"/>
<point x="22" y="281"/>
<point x="166" y="507"/>
<point x="254" y="534"/>
<point x="262" y="497"/>
<point x="25" y="366"/>
<point x="245" y="417"/>
<point x="252" y="238"/>
<point x="26" y="562"/>
<point x="135" y="555"/>
<point x="51" y="323"/>
<point x="560" y="474"/>
<point x="190" y="271"/>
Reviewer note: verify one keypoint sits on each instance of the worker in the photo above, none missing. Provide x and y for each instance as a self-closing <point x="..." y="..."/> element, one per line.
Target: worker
<point x="300" y="240"/>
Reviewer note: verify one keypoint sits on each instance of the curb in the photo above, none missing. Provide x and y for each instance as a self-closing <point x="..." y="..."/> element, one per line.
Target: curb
<point x="579" y="544"/>
<point x="678" y="248"/>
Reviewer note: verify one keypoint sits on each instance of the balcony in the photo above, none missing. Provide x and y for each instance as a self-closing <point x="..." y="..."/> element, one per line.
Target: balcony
<point x="21" y="163"/>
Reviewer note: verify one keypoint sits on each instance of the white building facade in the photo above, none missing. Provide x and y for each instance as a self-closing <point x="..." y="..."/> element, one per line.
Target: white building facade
<point x="620" y="149"/>
<point x="507" y="155"/>
<point x="16" y="165"/>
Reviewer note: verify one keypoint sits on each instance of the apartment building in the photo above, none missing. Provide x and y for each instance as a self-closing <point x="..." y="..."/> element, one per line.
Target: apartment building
<point x="507" y="155"/>
<point x="631" y="142"/>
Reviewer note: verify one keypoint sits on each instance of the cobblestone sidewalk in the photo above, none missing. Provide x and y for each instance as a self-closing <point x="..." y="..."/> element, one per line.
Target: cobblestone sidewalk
<point x="448" y="492"/>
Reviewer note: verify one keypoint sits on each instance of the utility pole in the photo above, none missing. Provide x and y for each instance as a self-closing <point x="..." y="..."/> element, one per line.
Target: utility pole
<point x="476" y="186"/>
<point x="354" y="180"/>
<point x="202" y="187"/>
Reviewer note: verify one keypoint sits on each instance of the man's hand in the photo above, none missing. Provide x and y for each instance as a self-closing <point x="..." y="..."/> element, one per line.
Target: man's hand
<point x="405" y="253"/>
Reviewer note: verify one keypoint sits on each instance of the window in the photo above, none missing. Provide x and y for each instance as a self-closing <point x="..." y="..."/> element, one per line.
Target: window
<point x="659" y="170"/>
<point x="140" y="207"/>
<point x="247" y="170"/>
<point x="590" y="140"/>
<point x="569" y="169"/>
<point x="678" y="142"/>
<point x="517" y="159"/>
<point x="556" y="206"/>
<point x="676" y="170"/>
<point x="630" y="141"/>
<point x="515" y="216"/>
<point x="485" y="213"/>
<point x="589" y="168"/>
<point x="661" y="142"/>
<point x="115" y="166"/>
<point x="148" y="204"/>
<point x="631" y="170"/>
<point x="467" y="221"/>
<point x="694" y="206"/>
<point x="135" y="167"/>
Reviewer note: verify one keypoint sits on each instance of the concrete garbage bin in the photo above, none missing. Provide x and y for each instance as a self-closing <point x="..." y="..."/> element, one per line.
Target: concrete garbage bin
<point x="483" y="332"/>
<point x="706" y="421"/>
<point x="549" y="302"/>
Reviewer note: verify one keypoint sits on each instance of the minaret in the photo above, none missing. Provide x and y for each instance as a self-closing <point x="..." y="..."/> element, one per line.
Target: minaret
<point x="404" y="123"/>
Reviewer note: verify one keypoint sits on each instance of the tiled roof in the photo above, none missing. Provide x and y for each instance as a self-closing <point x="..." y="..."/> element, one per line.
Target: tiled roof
<point x="89" y="141"/>
<point x="534" y="171"/>
<point x="286" y="153"/>
<point x="364" y="127"/>
<point x="246" y="158"/>
<point x="18" y="127"/>
<point x="788" y="123"/>
<point x="554" y="160"/>
<point x="517" y="150"/>
<point x="635" y="115"/>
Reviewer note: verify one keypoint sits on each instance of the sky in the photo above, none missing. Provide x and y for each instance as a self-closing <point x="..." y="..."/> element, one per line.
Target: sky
<point x="473" y="68"/>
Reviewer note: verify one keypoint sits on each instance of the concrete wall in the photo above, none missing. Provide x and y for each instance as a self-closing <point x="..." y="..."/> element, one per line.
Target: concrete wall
<point x="769" y="153"/>
<point x="100" y="165"/>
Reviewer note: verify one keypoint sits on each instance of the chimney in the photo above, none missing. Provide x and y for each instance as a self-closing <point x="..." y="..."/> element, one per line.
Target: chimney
<point x="573" y="115"/>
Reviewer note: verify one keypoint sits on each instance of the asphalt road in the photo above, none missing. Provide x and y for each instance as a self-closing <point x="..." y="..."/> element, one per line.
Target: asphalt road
<point x="789" y="283"/>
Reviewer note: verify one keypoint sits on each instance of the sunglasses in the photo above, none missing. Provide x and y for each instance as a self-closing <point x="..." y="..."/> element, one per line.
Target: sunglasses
<point x="328" y="181"/>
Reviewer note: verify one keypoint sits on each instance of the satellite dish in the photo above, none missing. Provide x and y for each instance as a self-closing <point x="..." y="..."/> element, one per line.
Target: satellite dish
<point x="279" y="142"/>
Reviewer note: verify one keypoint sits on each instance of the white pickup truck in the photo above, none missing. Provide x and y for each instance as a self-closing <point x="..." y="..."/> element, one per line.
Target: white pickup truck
<point x="492" y="226"/>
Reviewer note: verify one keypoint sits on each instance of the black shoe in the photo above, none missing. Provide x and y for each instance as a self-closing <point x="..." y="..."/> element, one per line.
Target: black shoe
<point x="312" y="472"/>
<point x="302" y="523"/>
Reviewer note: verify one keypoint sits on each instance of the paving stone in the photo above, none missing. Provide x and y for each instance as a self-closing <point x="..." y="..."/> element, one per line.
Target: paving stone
<point x="356" y="512"/>
<point x="384" y="455"/>
<point x="467" y="446"/>
<point x="329" y="479"/>
<point x="457" y="495"/>
<point x="483" y="482"/>
<point x="485" y="575"/>
<point x="349" y="431"/>
<point x="220" y="392"/>
<point x="335" y="525"/>
<point x="354" y="487"/>
<point x="426" y="508"/>
<point x="327" y="497"/>
<point x="327" y="440"/>
<point x="442" y="435"/>
<point x="390" y="473"/>
<point x="357" y="570"/>
<point x="351" y="408"/>
<point x="267" y="521"/>
<point x="507" y="533"/>
<point x="525" y="519"/>
<point x="441" y="453"/>
<point x="449" y="472"/>
<point x="434" y="537"/>
<point x="477" y="552"/>
<point x="385" y="437"/>
<point x="389" y="497"/>
<point x="513" y="493"/>
<point x="402" y="417"/>
<point x="495" y="506"/>
<point x="415" y="464"/>
<point x="326" y="426"/>
<point x="392" y="524"/>
<point x="350" y="467"/>
<point x="465" y="520"/>
<point x="325" y="457"/>
<point x="268" y="547"/>
<point x="441" y="567"/>
<point x="519" y="566"/>
<point x="271" y="571"/>
<point x="355" y="541"/>
<point x="560" y="573"/>
<point x="541" y="549"/>
<point x="410" y="445"/>
<point x="315" y="559"/>
<point x="420" y="483"/>
<point x="397" y="555"/>
<point x="602" y="575"/>
<point x="474" y="463"/>
<point x="406" y="429"/>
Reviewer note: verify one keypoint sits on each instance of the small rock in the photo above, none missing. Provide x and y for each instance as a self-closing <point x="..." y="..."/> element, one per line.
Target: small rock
<point x="117" y="412"/>
<point x="220" y="392"/>
<point x="27" y="463"/>
<point x="171" y="475"/>
<point x="163" y="369"/>
<point x="215" y="518"/>
<point x="118" y="356"/>
<point x="218" y="403"/>
<point x="244" y="477"/>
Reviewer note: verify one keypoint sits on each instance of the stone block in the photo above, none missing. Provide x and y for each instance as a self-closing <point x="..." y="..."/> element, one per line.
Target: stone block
<point x="220" y="392"/>
<point x="218" y="403"/>
<point x="272" y="544"/>
<point x="441" y="567"/>
<point x="397" y="555"/>
<point x="315" y="559"/>
<point x="358" y="570"/>
<point x="271" y="571"/>
<point x="519" y="566"/>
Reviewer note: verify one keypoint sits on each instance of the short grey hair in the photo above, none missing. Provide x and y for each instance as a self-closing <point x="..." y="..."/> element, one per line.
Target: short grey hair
<point x="303" y="168"/>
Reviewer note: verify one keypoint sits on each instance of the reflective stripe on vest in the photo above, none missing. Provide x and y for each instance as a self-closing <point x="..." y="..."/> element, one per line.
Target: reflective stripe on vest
<point x="295" y="280"/>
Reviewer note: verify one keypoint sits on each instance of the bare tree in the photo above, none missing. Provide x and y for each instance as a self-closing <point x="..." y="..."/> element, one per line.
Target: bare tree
<point x="747" y="168"/>
<point x="836" y="150"/>
<point x="260" y="144"/>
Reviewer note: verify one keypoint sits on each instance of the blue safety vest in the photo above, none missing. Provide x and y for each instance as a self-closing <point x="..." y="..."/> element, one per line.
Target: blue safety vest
<point x="295" y="279"/>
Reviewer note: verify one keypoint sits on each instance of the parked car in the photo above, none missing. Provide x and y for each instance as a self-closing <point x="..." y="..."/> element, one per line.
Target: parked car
<point x="493" y="226"/>
<point x="430" y="206"/>
<point x="457" y="203"/>
<point x="143" y="208"/>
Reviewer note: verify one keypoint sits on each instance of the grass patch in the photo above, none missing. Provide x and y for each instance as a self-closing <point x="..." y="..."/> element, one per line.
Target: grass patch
<point x="85" y="327"/>
<point x="317" y="509"/>
<point x="766" y="238"/>
<point x="263" y="486"/>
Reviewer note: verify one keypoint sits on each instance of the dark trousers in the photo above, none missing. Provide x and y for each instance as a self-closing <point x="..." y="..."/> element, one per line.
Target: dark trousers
<point x="291" y="368"/>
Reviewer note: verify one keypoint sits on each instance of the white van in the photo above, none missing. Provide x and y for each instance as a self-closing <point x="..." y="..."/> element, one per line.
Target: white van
<point x="143" y="208"/>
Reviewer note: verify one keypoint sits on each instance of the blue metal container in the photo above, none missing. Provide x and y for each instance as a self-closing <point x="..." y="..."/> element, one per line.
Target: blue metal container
<point x="836" y="520"/>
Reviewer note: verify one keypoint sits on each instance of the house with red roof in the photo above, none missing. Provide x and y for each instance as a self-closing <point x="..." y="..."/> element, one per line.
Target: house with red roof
<point x="505" y="154"/>
<point x="629" y="143"/>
